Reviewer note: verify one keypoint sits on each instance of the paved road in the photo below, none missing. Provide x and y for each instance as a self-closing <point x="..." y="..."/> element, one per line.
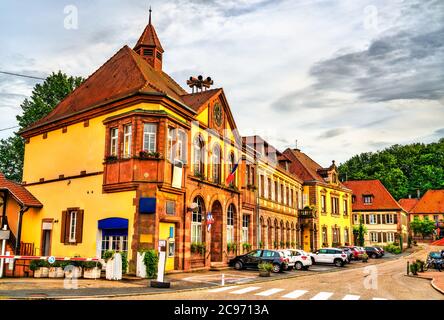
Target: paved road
<point x="389" y="283"/>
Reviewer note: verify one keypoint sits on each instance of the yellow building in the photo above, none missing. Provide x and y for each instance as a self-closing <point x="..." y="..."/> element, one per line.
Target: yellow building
<point x="325" y="218"/>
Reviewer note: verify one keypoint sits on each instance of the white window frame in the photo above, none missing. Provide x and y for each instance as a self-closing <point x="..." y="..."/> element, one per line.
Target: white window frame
<point x="370" y="198"/>
<point x="245" y="225"/>
<point x="150" y="137"/>
<point x="390" y="237"/>
<point x="171" y="143"/>
<point x="373" y="236"/>
<point x="110" y="240"/>
<point x="230" y="224"/>
<point x="323" y="203"/>
<point x="372" y="219"/>
<point x="345" y="205"/>
<point x="356" y="219"/>
<point x="127" y="140"/>
<point x="114" y="141"/>
<point x="181" y="145"/>
<point x="389" y="219"/>
<point x="196" y="225"/>
<point x="72" y="226"/>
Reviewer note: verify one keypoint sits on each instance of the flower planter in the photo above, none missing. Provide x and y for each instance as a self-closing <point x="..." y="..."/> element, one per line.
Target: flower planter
<point x="41" y="272"/>
<point x="264" y="273"/>
<point x="92" y="273"/>
<point x="73" y="272"/>
<point x="56" y="272"/>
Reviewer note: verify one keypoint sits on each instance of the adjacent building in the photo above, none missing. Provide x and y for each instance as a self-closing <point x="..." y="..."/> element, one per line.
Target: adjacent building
<point x="386" y="221"/>
<point x="429" y="206"/>
<point x="324" y="217"/>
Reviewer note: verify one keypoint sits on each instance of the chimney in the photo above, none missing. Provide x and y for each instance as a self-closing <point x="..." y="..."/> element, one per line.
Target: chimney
<point x="418" y="193"/>
<point x="410" y="196"/>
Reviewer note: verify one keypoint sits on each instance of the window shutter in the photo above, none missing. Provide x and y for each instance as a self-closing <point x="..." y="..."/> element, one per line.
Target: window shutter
<point x="395" y="218"/>
<point x="63" y="230"/>
<point x="384" y="219"/>
<point x="384" y="237"/>
<point x="378" y="217"/>
<point x="79" y="227"/>
<point x="367" y="219"/>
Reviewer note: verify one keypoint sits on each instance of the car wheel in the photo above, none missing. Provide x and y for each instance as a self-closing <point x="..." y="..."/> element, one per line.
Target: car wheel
<point x="339" y="263"/>
<point x="238" y="265"/>
<point x="313" y="260"/>
<point x="374" y="255"/>
<point x="276" y="268"/>
<point x="298" y="265"/>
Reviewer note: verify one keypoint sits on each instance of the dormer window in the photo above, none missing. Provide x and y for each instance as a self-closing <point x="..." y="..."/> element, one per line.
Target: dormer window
<point x="368" y="199"/>
<point x="147" y="52"/>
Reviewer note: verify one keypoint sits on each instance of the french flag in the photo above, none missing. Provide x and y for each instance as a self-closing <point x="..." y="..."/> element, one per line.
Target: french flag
<point x="231" y="176"/>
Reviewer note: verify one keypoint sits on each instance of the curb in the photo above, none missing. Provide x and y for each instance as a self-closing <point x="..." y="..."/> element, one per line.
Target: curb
<point x="436" y="287"/>
<point x="290" y="276"/>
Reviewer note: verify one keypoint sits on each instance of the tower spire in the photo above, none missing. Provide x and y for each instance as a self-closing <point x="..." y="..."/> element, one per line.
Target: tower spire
<point x="150" y="15"/>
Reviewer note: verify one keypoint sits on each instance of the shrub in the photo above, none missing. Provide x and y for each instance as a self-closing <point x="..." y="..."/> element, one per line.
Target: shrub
<point x="35" y="265"/>
<point x="91" y="264"/>
<point x="265" y="266"/>
<point x="392" y="248"/>
<point x="420" y="265"/>
<point x="150" y="260"/>
<point x="124" y="262"/>
<point x="246" y="246"/>
<point x="414" y="268"/>
<point x="107" y="255"/>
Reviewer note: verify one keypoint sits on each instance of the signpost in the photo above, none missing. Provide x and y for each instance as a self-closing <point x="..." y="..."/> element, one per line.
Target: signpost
<point x="160" y="283"/>
<point x="4" y="235"/>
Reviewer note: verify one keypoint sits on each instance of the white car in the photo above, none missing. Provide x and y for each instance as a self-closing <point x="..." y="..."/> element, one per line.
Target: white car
<point x="299" y="259"/>
<point x="330" y="256"/>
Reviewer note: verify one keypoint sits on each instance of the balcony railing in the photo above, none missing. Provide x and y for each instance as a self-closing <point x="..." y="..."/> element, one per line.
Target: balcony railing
<point x="306" y="213"/>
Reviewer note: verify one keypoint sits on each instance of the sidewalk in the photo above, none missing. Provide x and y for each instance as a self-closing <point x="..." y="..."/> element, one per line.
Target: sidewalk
<point x="436" y="277"/>
<point x="37" y="288"/>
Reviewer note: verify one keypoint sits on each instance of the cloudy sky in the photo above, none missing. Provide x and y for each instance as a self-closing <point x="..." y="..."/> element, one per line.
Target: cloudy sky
<point x="340" y="77"/>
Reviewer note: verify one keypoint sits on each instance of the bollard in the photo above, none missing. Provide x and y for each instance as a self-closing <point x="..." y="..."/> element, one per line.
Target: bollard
<point x="223" y="279"/>
<point x="408" y="267"/>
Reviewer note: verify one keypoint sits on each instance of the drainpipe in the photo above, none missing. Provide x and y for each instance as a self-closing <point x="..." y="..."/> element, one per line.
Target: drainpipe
<point x="19" y="229"/>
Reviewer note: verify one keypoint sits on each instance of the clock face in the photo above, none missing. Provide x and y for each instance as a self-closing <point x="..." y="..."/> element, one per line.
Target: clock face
<point x="217" y="111"/>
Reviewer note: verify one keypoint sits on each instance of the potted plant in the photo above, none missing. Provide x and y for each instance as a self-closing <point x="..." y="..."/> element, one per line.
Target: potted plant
<point x="56" y="270"/>
<point x="246" y="247"/>
<point x="265" y="269"/>
<point x="111" y="159"/>
<point x="261" y="244"/>
<point x="420" y="265"/>
<point x="150" y="260"/>
<point x="40" y="268"/>
<point x="73" y="270"/>
<point x="364" y="257"/>
<point x="414" y="268"/>
<point x="92" y="269"/>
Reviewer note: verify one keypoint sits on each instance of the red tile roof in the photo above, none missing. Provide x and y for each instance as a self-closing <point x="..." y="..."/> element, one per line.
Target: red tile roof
<point x="408" y="204"/>
<point x="19" y="193"/>
<point x="149" y="38"/>
<point x="382" y="199"/>
<point x="431" y="202"/>
<point x="196" y="100"/>
<point x="124" y="74"/>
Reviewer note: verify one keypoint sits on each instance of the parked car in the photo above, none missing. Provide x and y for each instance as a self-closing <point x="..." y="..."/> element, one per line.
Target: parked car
<point x="298" y="258"/>
<point x="329" y="255"/>
<point x="356" y="252"/>
<point x="348" y="252"/>
<point x="372" y="252"/>
<point x="381" y="250"/>
<point x="253" y="258"/>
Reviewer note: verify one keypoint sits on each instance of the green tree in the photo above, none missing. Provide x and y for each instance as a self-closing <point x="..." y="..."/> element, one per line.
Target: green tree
<point x="424" y="227"/>
<point x="360" y="232"/>
<point x="44" y="98"/>
<point x="403" y="169"/>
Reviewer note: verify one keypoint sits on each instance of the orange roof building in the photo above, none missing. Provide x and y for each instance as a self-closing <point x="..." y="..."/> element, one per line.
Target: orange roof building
<point x="431" y="206"/>
<point x="386" y="220"/>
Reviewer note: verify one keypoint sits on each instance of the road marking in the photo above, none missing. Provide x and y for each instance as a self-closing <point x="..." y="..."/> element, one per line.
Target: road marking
<point x="322" y="296"/>
<point x="221" y="289"/>
<point x="269" y="292"/>
<point x="295" y="294"/>
<point x="379" y="299"/>
<point x="245" y="290"/>
<point x="351" y="297"/>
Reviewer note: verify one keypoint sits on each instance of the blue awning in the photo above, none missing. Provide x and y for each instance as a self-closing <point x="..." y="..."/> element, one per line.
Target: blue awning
<point x="113" y="223"/>
<point x="147" y="205"/>
<point x="115" y="232"/>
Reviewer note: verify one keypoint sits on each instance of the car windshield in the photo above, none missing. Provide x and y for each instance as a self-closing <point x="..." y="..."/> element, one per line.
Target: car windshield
<point x="435" y="255"/>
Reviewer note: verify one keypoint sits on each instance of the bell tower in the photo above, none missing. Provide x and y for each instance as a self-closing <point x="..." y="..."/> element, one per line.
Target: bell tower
<point x="149" y="46"/>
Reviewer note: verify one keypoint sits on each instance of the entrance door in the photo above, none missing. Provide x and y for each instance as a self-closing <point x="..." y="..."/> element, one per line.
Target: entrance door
<point x="167" y="232"/>
<point x="46" y="243"/>
<point x="216" y="233"/>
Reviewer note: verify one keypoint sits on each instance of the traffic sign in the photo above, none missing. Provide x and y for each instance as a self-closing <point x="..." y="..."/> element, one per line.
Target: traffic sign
<point x="51" y="259"/>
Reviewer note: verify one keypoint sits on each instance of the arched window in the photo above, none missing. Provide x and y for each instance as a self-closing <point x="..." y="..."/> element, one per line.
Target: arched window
<point x="196" y="222"/>
<point x="232" y="163"/>
<point x="230" y="223"/>
<point x="324" y="237"/>
<point x="199" y="156"/>
<point x="216" y="163"/>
